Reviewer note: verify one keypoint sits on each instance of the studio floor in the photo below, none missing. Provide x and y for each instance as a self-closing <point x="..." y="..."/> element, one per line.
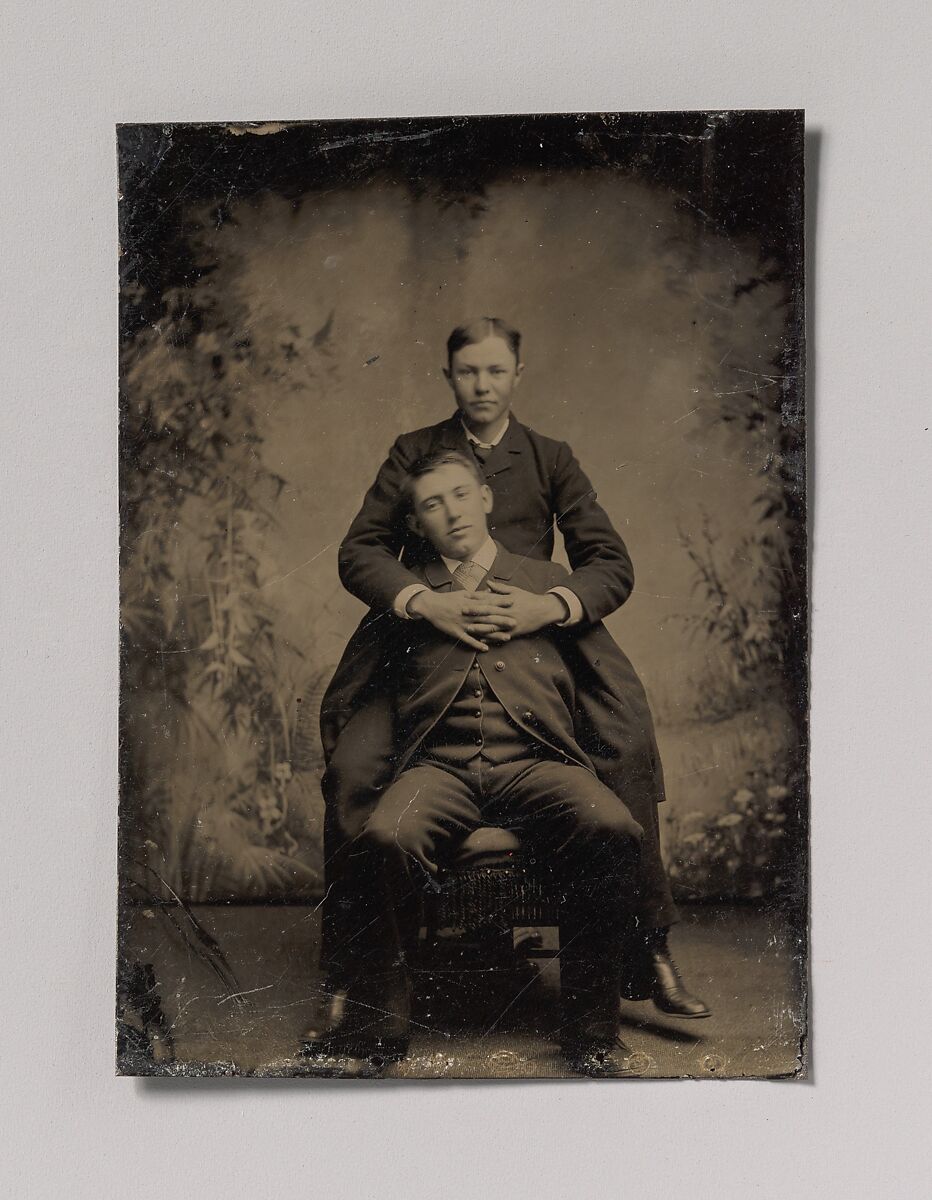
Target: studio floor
<point x="742" y="961"/>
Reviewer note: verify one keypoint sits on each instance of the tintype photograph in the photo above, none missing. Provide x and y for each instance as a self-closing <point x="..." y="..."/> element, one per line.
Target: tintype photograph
<point x="464" y="651"/>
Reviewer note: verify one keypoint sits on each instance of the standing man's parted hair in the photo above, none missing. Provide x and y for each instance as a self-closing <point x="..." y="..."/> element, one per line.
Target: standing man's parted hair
<point x="480" y="329"/>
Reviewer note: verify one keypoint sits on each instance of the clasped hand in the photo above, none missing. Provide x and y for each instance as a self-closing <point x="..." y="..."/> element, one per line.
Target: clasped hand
<point x="488" y="617"/>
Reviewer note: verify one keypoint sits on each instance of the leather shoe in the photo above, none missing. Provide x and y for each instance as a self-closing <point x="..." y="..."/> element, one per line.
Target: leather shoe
<point x="649" y="973"/>
<point x="668" y="991"/>
<point x="601" y="1059"/>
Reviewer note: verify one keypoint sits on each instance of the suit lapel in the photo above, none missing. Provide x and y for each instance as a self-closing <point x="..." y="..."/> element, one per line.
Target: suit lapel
<point x="503" y="456"/>
<point x="437" y="575"/>
<point x="504" y="566"/>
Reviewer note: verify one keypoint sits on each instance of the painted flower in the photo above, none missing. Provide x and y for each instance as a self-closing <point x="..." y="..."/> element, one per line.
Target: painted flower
<point x="743" y="798"/>
<point x="777" y="792"/>
<point x="729" y="820"/>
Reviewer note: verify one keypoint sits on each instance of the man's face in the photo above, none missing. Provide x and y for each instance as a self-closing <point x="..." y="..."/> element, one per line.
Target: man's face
<point x="483" y="377"/>
<point x="450" y="507"/>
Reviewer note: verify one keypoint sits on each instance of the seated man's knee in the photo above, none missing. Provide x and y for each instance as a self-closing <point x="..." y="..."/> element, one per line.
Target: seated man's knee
<point x="391" y="837"/>
<point x="620" y="824"/>
<point x="381" y="834"/>
<point x="603" y="815"/>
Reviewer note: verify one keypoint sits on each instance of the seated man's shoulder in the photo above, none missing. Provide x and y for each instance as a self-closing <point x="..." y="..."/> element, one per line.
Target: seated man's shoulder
<point x="539" y="574"/>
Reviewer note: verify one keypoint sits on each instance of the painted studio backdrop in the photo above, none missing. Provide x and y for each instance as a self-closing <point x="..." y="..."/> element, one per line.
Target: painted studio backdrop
<point x="286" y="296"/>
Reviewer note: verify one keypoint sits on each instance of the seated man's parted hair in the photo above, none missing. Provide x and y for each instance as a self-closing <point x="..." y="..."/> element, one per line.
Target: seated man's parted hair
<point x="477" y="331"/>
<point x="430" y="462"/>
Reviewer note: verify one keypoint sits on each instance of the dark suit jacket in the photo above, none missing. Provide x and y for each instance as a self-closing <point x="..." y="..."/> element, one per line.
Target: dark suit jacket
<point x="529" y="676"/>
<point x="535" y="481"/>
<point x="571" y="689"/>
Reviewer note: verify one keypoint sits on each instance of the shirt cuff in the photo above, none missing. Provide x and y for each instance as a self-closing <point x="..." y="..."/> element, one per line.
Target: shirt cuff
<point x="404" y="597"/>
<point x="573" y="603"/>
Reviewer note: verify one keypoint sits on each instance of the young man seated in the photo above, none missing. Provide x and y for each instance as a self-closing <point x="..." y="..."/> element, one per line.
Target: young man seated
<point x="487" y="737"/>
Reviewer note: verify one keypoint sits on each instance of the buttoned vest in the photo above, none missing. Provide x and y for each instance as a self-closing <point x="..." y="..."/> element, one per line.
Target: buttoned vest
<point x="476" y="726"/>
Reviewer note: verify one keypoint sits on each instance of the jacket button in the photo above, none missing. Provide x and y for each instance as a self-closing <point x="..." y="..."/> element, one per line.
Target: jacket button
<point x="499" y="666"/>
<point x="528" y="716"/>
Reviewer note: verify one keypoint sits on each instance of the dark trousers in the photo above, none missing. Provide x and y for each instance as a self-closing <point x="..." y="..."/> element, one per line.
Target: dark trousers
<point x="572" y="822"/>
<point x="359" y="769"/>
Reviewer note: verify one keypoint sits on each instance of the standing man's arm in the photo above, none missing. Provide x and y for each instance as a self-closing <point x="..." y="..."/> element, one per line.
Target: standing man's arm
<point x="602" y="574"/>
<point x="368" y="558"/>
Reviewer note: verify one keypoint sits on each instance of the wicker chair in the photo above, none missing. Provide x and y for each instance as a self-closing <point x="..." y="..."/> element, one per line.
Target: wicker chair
<point x="492" y="888"/>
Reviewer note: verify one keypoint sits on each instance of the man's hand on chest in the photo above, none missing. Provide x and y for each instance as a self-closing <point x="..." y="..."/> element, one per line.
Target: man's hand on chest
<point x="529" y="610"/>
<point x="467" y="617"/>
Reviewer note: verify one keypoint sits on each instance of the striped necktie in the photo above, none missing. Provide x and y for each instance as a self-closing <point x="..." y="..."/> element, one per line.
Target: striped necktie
<point x="469" y="575"/>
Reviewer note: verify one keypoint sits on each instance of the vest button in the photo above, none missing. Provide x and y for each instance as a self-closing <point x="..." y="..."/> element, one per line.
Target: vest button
<point x="499" y="666"/>
<point x="528" y="716"/>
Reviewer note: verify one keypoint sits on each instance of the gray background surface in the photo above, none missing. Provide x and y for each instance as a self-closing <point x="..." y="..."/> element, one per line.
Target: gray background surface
<point x="858" y="1127"/>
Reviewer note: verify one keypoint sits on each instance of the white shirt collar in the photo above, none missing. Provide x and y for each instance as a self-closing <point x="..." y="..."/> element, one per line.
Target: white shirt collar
<point x="485" y="445"/>
<point x="484" y="557"/>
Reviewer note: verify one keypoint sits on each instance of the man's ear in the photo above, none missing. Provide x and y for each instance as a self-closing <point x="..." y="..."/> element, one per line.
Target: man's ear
<point x="487" y="498"/>
<point x="519" y="371"/>
<point x="413" y="524"/>
<point x="448" y="375"/>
